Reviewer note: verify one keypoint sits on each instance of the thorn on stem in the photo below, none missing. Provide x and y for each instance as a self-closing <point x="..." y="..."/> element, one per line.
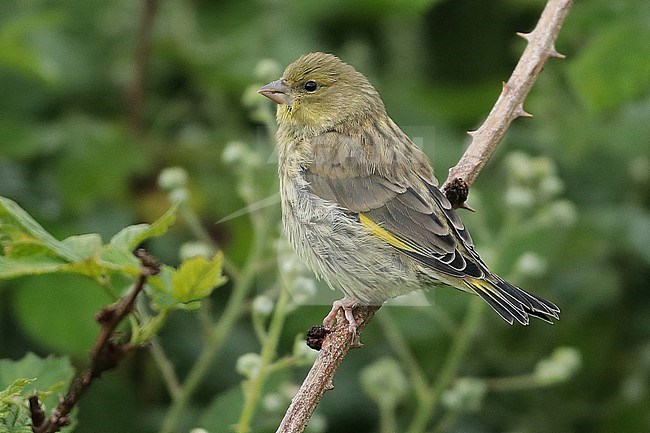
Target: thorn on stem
<point x="63" y="421"/>
<point x="520" y="112"/>
<point x="524" y="35"/>
<point x="467" y="207"/>
<point x="554" y="54"/>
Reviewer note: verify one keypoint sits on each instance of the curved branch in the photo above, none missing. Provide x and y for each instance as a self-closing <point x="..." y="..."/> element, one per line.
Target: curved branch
<point x="509" y="106"/>
<point x="319" y="379"/>
<point x="105" y="354"/>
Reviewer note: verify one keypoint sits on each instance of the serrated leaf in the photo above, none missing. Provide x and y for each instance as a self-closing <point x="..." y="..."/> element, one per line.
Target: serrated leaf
<point x="196" y="278"/>
<point x="161" y="292"/>
<point x="147" y="330"/>
<point x="15" y="221"/>
<point x="15" y="388"/>
<point x="27" y="376"/>
<point x="132" y="236"/>
<point x="13" y="413"/>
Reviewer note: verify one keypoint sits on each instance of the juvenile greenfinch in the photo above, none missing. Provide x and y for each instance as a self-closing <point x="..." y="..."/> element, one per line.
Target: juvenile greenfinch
<point x="360" y="203"/>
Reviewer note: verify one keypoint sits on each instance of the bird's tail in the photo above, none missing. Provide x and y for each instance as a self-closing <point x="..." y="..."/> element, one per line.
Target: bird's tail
<point x="511" y="302"/>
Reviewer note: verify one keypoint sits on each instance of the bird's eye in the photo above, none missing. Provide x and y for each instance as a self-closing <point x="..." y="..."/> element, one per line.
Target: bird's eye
<point x="311" y="86"/>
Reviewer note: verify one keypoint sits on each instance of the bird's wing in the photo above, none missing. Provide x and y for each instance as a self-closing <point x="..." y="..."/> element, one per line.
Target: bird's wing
<point x="410" y="214"/>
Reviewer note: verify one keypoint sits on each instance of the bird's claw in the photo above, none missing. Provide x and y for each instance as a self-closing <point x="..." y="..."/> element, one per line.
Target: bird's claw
<point x="347" y="306"/>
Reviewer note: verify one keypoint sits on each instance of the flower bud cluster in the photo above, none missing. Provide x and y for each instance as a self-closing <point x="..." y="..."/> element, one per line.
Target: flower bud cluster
<point x="466" y="394"/>
<point x="534" y="186"/>
<point x="266" y="70"/>
<point x="247" y="163"/>
<point x="384" y="382"/>
<point x="174" y="181"/>
<point x="563" y="363"/>
<point x="294" y="274"/>
<point x="532" y="180"/>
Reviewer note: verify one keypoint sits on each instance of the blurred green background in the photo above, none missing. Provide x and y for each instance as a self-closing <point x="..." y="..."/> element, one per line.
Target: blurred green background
<point x="562" y="208"/>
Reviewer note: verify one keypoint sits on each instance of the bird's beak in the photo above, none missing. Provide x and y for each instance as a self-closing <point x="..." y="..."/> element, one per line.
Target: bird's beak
<point x="277" y="91"/>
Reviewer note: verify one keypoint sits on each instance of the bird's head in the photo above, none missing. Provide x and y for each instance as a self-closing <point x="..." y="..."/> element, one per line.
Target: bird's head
<point x="319" y="91"/>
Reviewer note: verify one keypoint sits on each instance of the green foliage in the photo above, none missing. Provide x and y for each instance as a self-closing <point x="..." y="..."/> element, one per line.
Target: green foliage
<point x="44" y="305"/>
<point x="625" y="73"/>
<point x="196" y="278"/>
<point x="132" y="236"/>
<point x="184" y="287"/>
<point x="14" y="416"/>
<point x="19" y="380"/>
<point x="29" y="251"/>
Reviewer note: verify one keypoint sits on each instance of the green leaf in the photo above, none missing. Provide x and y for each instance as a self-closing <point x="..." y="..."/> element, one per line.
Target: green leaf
<point x="19" y="225"/>
<point x="58" y="310"/>
<point x="26" y="248"/>
<point x="109" y="258"/>
<point x="30" y="250"/>
<point x="14" y="415"/>
<point x="159" y="288"/>
<point x="46" y="377"/>
<point x="84" y="245"/>
<point x="196" y="278"/>
<point x="615" y="67"/>
<point x="42" y="374"/>
<point x="118" y="259"/>
<point x="144" y="332"/>
<point x="32" y="265"/>
<point x="15" y="388"/>
<point x="161" y="291"/>
<point x="132" y="236"/>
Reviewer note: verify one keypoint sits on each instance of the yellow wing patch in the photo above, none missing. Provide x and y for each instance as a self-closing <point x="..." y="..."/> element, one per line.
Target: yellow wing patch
<point x="483" y="286"/>
<point x="383" y="234"/>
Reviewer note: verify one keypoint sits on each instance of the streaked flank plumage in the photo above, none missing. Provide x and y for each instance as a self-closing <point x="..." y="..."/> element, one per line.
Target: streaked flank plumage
<point x="360" y="203"/>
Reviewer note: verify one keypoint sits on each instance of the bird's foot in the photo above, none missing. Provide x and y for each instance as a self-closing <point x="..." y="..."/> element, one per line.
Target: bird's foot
<point x="347" y="305"/>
